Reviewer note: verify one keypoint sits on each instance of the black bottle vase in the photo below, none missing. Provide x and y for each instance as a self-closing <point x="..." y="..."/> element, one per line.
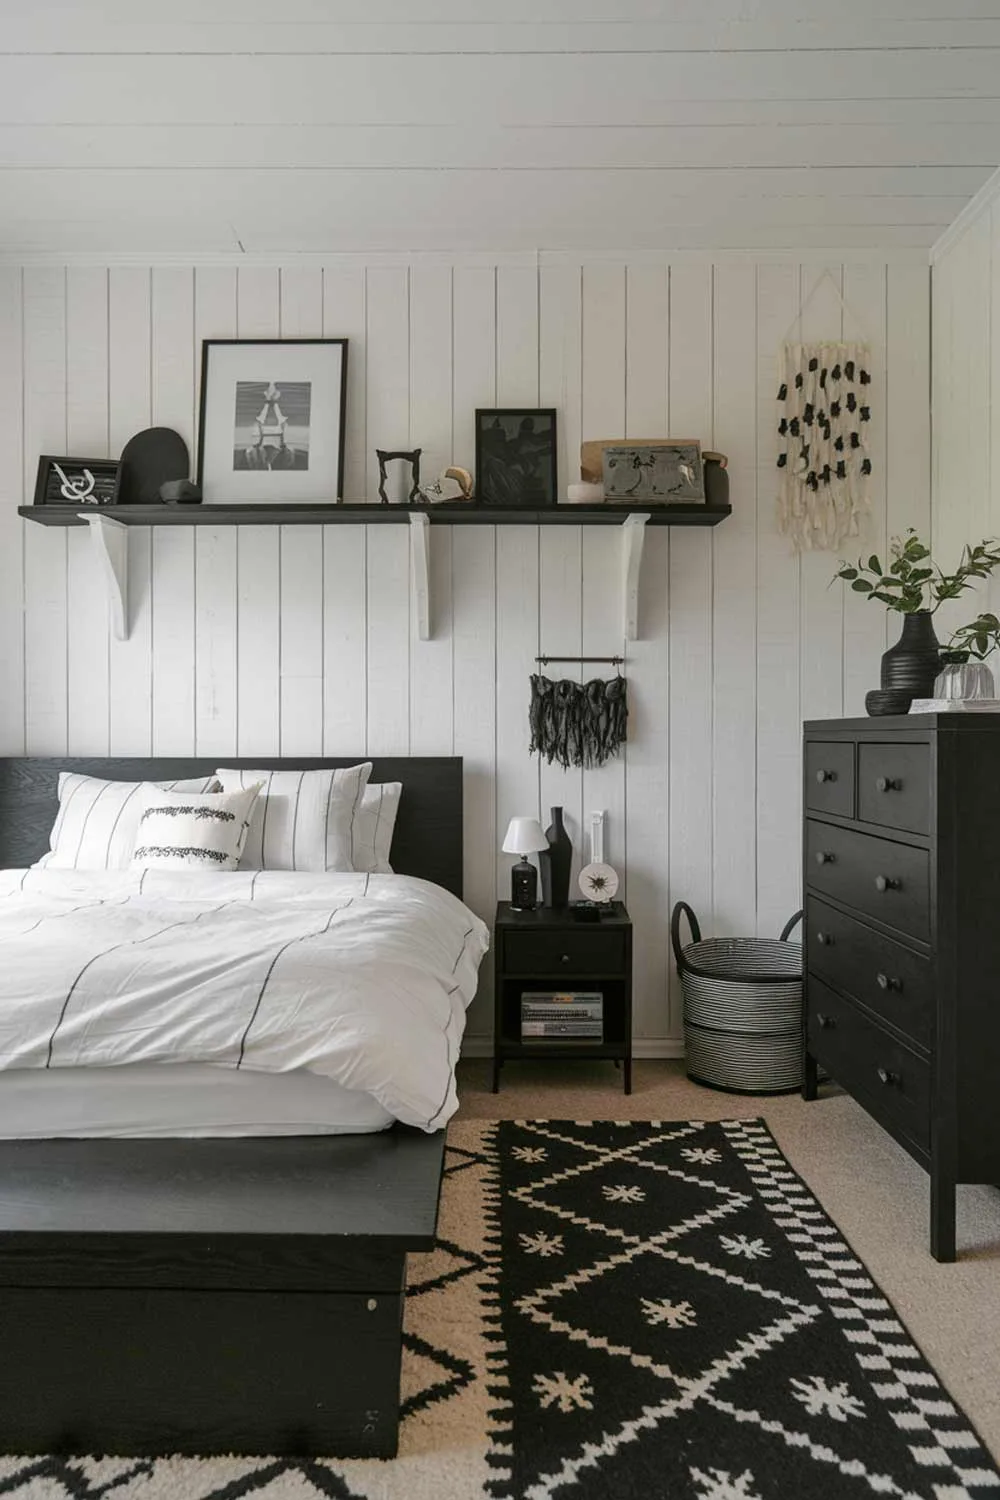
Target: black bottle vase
<point x="910" y="667"/>
<point x="555" y="861"/>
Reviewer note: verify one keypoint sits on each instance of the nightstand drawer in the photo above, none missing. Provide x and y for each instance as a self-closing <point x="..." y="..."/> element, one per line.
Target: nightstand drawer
<point x="894" y="786"/>
<point x="893" y="1083"/>
<point x="564" y="952"/>
<point x="830" y="777"/>
<point x="884" y="880"/>
<point x="888" y="978"/>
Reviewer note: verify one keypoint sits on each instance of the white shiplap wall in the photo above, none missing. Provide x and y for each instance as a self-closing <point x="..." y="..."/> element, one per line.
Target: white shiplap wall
<point x="966" y="318"/>
<point x="298" y="640"/>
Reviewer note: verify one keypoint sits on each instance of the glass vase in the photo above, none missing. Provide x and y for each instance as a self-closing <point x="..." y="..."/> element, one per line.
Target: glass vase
<point x="961" y="679"/>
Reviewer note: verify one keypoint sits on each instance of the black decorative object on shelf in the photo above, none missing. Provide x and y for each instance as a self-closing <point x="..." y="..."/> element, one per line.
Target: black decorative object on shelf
<point x="910" y="667"/>
<point x="879" y="702"/>
<point x="716" y="467"/>
<point x="74" y="482"/>
<point x="555" y="863"/>
<point x="516" y="456"/>
<point x="153" y="457"/>
<point x="409" y="456"/>
<point x="180" y="492"/>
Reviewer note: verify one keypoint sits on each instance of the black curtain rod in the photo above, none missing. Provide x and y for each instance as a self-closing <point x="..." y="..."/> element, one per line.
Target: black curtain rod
<point x="613" y="661"/>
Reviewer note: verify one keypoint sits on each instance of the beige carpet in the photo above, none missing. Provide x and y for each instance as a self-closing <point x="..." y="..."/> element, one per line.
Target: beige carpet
<point x="868" y="1185"/>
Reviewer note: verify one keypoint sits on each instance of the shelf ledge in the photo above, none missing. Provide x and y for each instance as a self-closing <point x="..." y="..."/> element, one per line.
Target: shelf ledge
<point x="109" y="528"/>
<point x="466" y="513"/>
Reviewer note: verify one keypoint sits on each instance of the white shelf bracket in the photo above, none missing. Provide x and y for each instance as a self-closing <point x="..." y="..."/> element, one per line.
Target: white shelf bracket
<point x="633" y="537"/>
<point x="420" y="576"/>
<point x="110" y="544"/>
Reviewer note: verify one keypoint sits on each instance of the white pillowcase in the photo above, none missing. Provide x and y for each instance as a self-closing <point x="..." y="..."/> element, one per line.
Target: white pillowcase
<point x="182" y="831"/>
<point x="97" y="820"/>
<point x="303" y="820"/>
<point x="374" y="823"/>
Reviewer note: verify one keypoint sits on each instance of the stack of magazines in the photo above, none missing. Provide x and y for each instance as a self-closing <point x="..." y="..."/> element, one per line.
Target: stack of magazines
<point x="576" y="1015"/>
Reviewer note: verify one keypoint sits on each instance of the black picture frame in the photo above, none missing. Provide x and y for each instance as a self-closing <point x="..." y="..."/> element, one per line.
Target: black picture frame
<point x="272" y="491"/>
<point x="105" y="472"/>
<point x="516" y="463"/>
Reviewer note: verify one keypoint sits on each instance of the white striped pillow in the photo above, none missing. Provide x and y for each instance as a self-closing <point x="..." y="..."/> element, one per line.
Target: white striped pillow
<point x="371" y="839"/>
<point x="97" y="820"/>
<point x="182" y="831"/>
<point x="303" y="820"/>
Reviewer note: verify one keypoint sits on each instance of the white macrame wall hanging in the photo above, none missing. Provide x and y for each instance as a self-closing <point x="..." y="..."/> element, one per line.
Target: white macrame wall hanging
<point x="823" y="460"/>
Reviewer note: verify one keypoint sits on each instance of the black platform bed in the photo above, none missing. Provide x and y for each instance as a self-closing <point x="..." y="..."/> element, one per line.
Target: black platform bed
<point x="214" y="1296"/>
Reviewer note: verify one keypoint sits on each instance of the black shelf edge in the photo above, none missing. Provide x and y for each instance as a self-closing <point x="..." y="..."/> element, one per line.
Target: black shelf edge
<point x="467" y="514"/>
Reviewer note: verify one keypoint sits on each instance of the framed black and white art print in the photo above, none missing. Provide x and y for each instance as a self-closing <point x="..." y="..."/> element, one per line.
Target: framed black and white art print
<point x="516" y="456"/>
<point x="77" y="481"/>
<point x="272" y="420"/>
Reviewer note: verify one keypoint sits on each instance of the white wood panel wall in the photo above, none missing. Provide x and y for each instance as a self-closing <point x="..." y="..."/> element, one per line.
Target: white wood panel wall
<point x="966" y="283"/>
<point x="299" y="640"/>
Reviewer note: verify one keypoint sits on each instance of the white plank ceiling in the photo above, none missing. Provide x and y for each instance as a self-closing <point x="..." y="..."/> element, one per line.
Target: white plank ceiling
<point x="220" y="126"/>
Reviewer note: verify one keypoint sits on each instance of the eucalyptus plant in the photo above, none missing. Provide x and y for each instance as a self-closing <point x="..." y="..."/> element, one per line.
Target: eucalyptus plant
<point x="914" y="582"/>
<point x="979" y="639"/>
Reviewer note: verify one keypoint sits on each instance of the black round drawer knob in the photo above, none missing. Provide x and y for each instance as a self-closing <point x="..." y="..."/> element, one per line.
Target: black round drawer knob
<point x="886" y="883"/>
<point x="889" y="784"/>
<point x="822" y="776"/>
<point x="824" y="939"/>
<point x="886" y="982"/>
<point x="887" y="1077"/>
<point x="824" y="857"/>
<point x="825" y="1023"/>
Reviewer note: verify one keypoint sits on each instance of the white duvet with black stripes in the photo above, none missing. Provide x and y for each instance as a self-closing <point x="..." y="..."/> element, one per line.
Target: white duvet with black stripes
<point x="364" y="979"/>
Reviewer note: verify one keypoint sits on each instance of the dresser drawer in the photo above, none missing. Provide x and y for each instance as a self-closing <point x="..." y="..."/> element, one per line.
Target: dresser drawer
<point x="578" y="953"/>
<point x="888" y="881"/>
<point x="894" y="786"/>
<point x="893" y="981"/>
<point x="830" y="777"/>
<point x="892" y="1082"/>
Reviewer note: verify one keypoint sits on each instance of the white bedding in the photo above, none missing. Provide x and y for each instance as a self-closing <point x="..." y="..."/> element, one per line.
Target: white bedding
<point x="179" y="1099"/>
<point x="362" y="979"/>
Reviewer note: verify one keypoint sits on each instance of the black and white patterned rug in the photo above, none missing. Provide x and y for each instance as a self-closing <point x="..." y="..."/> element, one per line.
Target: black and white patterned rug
<point x="640" y="1311"/>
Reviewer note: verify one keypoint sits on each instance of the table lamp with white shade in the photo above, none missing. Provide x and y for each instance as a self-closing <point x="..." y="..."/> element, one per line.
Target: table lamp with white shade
<point x="524" y="837"/>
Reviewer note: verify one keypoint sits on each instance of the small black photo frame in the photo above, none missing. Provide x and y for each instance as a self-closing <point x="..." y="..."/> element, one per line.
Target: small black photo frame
<point x="77" y="482"/>
<point x="516" y="456"/>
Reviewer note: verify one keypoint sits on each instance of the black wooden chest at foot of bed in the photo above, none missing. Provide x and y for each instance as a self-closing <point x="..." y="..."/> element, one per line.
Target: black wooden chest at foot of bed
<point x="209" y="1296"/>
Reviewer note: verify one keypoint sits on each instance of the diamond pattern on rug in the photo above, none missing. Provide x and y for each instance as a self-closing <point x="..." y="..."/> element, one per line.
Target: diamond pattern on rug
<point x="627" y="1311"/>
<point x="680" y="1318"/>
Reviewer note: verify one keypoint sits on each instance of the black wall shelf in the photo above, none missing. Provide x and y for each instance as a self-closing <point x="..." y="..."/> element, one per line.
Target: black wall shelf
<point x="464" y="514"/>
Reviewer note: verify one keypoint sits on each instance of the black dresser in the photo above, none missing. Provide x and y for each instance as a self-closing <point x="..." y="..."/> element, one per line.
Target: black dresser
<point x="901" y="851"/>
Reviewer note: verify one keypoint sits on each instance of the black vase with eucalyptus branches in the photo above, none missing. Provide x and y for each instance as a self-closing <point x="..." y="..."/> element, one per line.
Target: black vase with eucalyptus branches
<point x="914" y="586"/>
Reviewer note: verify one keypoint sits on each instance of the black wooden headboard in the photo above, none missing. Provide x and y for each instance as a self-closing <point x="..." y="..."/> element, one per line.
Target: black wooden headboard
<point x="427" y="841"/>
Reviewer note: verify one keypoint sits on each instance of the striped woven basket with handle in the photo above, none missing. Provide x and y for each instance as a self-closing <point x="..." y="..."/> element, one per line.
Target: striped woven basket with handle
<point x="742" y="1008"/>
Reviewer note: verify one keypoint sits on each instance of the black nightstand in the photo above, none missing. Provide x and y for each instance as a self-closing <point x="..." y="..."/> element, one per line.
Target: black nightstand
<point x="548" y="951"/>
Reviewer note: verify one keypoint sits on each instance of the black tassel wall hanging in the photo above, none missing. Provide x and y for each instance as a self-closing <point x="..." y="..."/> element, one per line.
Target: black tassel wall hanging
<point x="578" y="723"/>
